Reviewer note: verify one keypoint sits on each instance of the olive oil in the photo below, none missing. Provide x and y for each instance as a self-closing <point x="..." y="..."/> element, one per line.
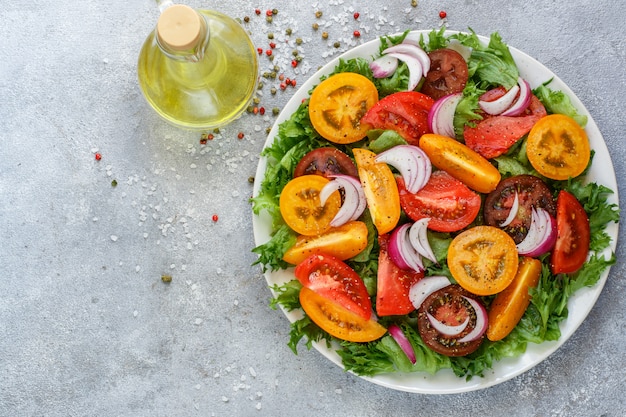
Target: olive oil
<point x="198" y="69"/>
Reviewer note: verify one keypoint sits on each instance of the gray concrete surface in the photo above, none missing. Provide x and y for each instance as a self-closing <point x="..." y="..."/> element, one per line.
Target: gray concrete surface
<point x="87" y="327"/>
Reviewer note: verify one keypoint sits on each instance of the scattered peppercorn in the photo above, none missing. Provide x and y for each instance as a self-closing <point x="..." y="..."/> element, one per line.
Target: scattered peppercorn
<point x="269" y="19"/>
<point x="240" y="135"/>
<point x="283" y="86"/>
<point x="114" y="183"/>
<point x="315" y="26"/>
<point x="270" y="36"/>
<point x="272" y="45"/>
<point x="262" y="110"/>
<point x="275" y="111"/>
<point x="215" y="218"/>
<point x="443" y="14"/>
<point x="356" y="15"/>
<point x="337" y="44"/>
<point x="166" y="278"/>
<point x="98" y="156"/>
<point x="273" y="91"/>
<point x="268" y="12"/>
<point x="268" y="52"/>
<point x="268" y="130"/>
<point x="256" y="100"/>
<point x="324" y="35"/>
<point x="257" y="11"/>
<point x="246" y="19"/>
<point x="298" y="41"/>
<point x="294" y="63"/>
<point x="251" y="180"/>
<point x="318" y="14"/>
<point x="274" y="11"/>
<point x="288" y="31"/>
<point x="357" y="34"/>
<point x="259" y="50"/>
<point x="293" y="82"/>
<point x="414" y="3"/>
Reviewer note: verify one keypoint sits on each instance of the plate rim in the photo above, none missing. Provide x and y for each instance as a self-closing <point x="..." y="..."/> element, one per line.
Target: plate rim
<point x="507" y="368"/>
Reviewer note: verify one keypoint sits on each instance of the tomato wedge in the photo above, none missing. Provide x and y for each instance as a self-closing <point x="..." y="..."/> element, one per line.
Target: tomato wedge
<point x="509" y="305"/>
<point x="301" y="208"/>
<point x="450" y="204"/>
<point x="380" y="190"/>
<point x="558" y="148"/>
<point x="337" y="105"/>
<point x="573" y="235"/>
<point x="333" y="279"/>
<point x="461" y="162"/>
<point x="342" y="242"/>
<point x="483" y="260"/>
<point x="494" y="135"/>
<point x="338" y="321"/>
<point x="405" y="112"/>
<point x="393" y="284"/>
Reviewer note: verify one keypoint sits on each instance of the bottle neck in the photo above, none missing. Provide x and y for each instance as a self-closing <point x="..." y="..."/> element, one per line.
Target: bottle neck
<point x="183" y="34"/>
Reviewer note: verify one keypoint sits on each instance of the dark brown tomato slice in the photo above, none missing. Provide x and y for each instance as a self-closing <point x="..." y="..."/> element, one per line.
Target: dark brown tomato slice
<point x="531" y="192"/>
<point x="448" y="306"/>
<point x="448" y="73"/>
<point x="325" y="162"/>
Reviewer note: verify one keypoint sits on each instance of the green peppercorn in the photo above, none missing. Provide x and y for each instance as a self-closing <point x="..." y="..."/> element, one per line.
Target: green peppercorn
<point x="414" y="3"/>
<point x="337" y="44"/>
<point x="274" y="11"/>
<point x="276" y="68"/>
<point x="250" y="109"/>
<point x="298" y="58"/>
<point x="268" y="130"/>
<point x="273" y="75"/>
<point x="275" y="111"/>
<point x="298" y="41"/>
<point x="256" y="100"/>
<point x="216" y="130"/>
<point x="260" y="86"/>
<point x="114" y="183"/>
<point x="315" y="26"/>
<point x="270" y="36"/>
<point x="246" y="19"/>
<point x="288" y="31"/>
<point x="324" y="35"/>
<point x="166" y="278"/>
<point x="318" y="14"/>
<point x="251" y="180"/>
<point x="268" y="19"/>
<point x="273" y="90"/>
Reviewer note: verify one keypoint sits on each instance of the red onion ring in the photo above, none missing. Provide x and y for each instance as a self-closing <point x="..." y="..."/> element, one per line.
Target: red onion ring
<point x="441" y="115"/>
<point x="426" y="286"/>
<point x="412" y="163"/>
<point x="481" y="321"/>
<point x="446" y="329"/>
<point x="398" y="335"/>
<point x="354" y="198"/>
<point x="413" y="50"/>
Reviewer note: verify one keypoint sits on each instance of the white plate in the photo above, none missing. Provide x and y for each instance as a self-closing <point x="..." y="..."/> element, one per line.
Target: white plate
<point x="579" y="305"/>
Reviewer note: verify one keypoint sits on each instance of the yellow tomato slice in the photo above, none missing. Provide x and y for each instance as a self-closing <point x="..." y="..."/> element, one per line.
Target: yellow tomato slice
<point x="381" y="190"/>
<point x="301" y="208"/>
<point x="508" y="307"/>
<point x="557" y="147"/>
<point x="338" y="321"/>
<point x="461" y="162"/>
<point x="342" y="242"/>
<point x="483" y="260"/>
<point x="337" y="105"/>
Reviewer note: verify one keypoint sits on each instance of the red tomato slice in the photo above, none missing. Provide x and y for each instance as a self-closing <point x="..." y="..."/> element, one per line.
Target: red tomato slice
<point x="392" y="293"/>
<point x="494" y="135"/>
<point x="573" y="235"/>
<point x="450" y="204"/>
<point x="333" y="279"/>
<point x="405" y="112"/>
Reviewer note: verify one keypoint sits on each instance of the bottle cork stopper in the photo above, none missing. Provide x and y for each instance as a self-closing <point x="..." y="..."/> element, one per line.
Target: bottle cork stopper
<point x="179" y="27"/>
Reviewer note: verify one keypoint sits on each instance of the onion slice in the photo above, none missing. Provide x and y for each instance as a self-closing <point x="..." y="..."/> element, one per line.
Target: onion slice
<point x="481" y="322"/>
<point x="446" y="329"/>
<point x="413" y="50"/>
<point x="418" y="236"/>
<point x="354" y="198"/>
<point x="523" y="101"/>
<point x="425" y="287"/>
<point x="384" y="66"/>
<point x="412" y="163"/>
<point x="402" y="252"/>
<point x="398" y="335"/>
<point x="415" y="68"/>
<point x="541" y="235"/>
<point x="499" y="105"/>
<point x="441" y="115"/>
<point x="512" y="212"/>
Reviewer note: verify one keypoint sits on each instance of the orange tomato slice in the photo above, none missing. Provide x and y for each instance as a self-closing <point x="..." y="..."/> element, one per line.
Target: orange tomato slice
<point x="483" y="260"/>
<point x="557" y="147"/>
<point x="338" y="321"/>
<point x="461" y="162"/>
<point x="381" y="190"/>
<point x="508" y="307"/>
<point x="301" y="208"/>
<point x="337" y="105"/>
<point x="342" y="242"/>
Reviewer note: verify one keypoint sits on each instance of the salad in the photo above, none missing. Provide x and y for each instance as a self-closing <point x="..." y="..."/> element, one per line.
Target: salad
<point x="430" y="210"/>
